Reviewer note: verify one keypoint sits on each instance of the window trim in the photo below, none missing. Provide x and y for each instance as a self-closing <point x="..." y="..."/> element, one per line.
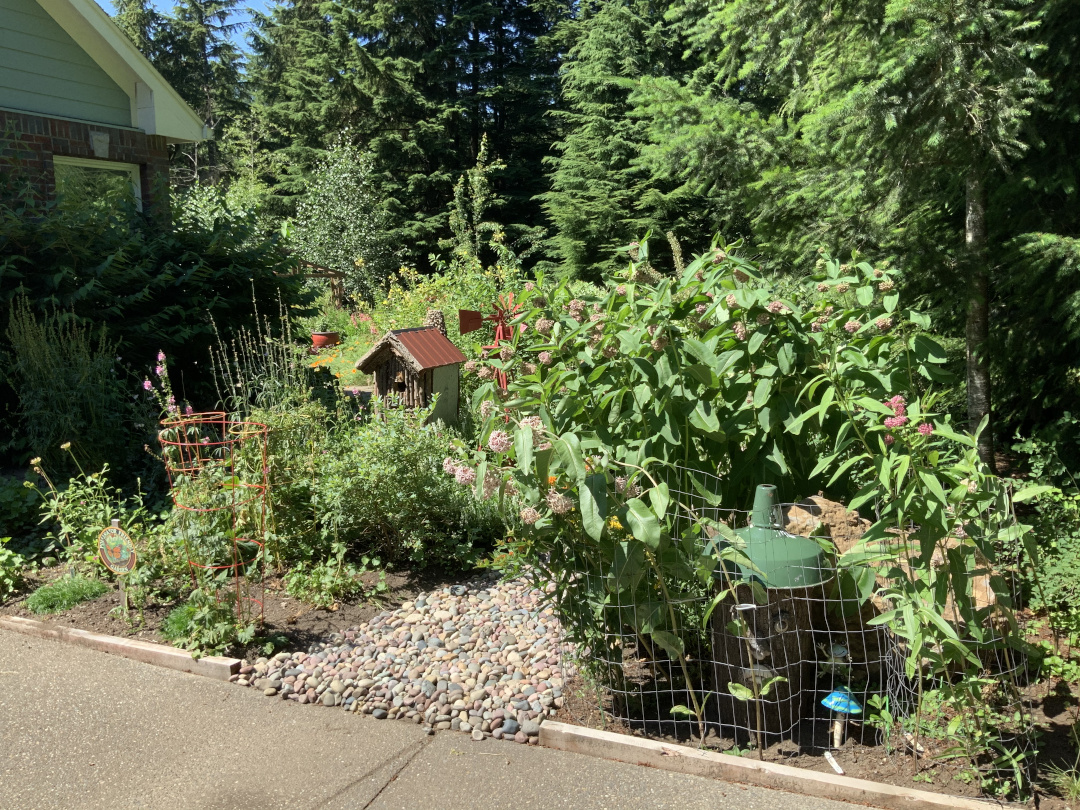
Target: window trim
<point x="132" y="169"/>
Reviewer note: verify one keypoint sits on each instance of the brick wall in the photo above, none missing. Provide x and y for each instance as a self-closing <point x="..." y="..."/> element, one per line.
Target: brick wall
<point x="33" y="140"/>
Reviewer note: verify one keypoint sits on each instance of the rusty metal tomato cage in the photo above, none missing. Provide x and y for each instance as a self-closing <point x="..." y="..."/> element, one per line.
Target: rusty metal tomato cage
<point x="218" y="479"/>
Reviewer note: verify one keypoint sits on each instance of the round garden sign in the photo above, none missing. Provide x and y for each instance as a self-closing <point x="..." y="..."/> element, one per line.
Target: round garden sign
<point x="116" y="549"/>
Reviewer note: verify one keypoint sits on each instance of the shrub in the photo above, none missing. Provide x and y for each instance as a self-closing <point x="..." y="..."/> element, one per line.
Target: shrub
<point x="71" y="390"/>
<point x="155" y="286"/>
<point x="64" y="594"/>
<point x="77" y="513"/>
<point x="380" y="489"/>
<point x="659" y="381"/>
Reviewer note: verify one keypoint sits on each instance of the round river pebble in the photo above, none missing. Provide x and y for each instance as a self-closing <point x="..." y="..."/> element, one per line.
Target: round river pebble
<point x="485" y="658"/>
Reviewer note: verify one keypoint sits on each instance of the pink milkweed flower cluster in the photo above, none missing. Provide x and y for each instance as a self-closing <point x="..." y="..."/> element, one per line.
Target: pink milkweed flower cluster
<point x="851" y="327"/>
<point x="895" y="421"/>
<point x="621" y="289"/>
<point x="740" y="330"/>
<point x="898" y="405"/>
<point x="536" y="425"/>
<point x="465" y="475"/>
<point x="529" y="516"/>
<point x="925" y="429"/>
<point x="889" y="438"/>
<point x="545" y="358"/>
<point x="147" y="385"/>
<point x="506" y="352"/>
<point x="558" y="503"/>
<point x="776" y="307"/>
<point x="731" y="301"/>
<point x="577" y="309"/>
<point x="544" y="325"/>
<point x="492" y="480"/>
<point x="701" y="309"/>
<point x="159" y="370"/>
<point x="499" y="441"/>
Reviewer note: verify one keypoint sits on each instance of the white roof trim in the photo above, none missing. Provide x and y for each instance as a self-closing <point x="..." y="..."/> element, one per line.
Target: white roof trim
<point x="156" y="108"/>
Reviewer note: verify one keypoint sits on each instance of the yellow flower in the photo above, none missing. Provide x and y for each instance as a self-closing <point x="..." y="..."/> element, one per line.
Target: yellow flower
<point x="614" y="523"/>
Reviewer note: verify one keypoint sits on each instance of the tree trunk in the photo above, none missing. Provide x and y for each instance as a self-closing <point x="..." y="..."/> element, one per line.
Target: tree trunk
<point x="978" y="315"/>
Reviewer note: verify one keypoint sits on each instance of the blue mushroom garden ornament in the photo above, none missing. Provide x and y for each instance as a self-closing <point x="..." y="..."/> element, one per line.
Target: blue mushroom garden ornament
<point x="842" y="703"/>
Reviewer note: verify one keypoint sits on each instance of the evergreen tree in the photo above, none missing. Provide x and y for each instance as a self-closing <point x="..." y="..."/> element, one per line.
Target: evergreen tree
<point x="141" y="22"/>
<point x="592" y="201"/>
<point x="886" y="123"/>
<point x="196" y="55"/>
<point x="418" y="83"/>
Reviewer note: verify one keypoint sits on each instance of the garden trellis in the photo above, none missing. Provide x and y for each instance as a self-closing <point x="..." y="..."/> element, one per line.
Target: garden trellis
<point x="218" y="477"/>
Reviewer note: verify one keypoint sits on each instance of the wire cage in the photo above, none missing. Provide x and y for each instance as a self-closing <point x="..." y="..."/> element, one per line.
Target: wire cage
<point x="799" y="651"/>
<point x="218" y="481"/>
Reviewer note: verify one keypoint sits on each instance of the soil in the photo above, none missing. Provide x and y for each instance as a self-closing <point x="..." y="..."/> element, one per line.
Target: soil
<point x="288" y="622"/>
<point x="930" y="770"/>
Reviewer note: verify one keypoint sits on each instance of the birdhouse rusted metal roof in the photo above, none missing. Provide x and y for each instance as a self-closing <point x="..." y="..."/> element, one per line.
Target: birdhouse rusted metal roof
<point x="422" y="348"/>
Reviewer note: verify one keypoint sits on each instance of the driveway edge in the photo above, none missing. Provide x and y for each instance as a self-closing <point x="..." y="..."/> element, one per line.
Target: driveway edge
<point x="681" y="759"/>
<point x="211" y="666"/>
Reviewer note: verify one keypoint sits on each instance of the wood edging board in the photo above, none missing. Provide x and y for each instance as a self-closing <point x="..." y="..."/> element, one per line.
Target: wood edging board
<point x="211" y="666"/>
<point x="728" y="768"/>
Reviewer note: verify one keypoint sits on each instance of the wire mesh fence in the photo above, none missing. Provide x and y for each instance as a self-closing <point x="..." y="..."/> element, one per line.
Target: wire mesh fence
<point x="801" y="648"/>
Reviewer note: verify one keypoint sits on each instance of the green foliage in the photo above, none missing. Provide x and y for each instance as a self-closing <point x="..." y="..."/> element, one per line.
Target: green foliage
<point x="341" y="223"/>
<point x="64" y="594"/>
<point x="18" y="507"/>
<point x="11" y="569"/>
<point x="1051" y="455"/>
<point x="595" y="202"/>
<point x="76" y="513"/>
<point x="207" y="624"/>
<point x="71" y="390"/>
<point x="622" y="401"/>
<point x="153" y="287"/>
<point x="326" y="583"/>
<point x="381" y="490"/>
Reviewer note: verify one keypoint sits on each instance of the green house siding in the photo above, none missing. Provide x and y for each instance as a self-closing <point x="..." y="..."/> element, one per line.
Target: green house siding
<point x="42" y="70"/>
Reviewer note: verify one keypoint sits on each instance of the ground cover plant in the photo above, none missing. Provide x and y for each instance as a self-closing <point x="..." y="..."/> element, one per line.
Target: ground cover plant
<point x="65" y="593"/>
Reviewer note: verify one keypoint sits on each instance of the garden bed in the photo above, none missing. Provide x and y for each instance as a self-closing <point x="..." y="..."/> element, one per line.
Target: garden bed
<point x="287" y="621"/>
<point x="1051" y="704"/>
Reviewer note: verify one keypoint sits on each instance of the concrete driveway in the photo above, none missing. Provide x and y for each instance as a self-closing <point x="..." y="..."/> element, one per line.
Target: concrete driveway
<point x="83" y="729"/>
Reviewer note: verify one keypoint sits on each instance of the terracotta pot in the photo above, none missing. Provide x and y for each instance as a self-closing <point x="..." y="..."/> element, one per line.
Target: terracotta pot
<point x="323" y="339"/>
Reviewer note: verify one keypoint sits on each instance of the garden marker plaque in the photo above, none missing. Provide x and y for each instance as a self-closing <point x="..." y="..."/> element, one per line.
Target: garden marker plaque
<point x="116" y="549"/>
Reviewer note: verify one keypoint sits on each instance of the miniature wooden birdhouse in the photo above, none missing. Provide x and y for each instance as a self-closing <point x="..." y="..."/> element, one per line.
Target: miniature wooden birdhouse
<point x="412" y="365"/>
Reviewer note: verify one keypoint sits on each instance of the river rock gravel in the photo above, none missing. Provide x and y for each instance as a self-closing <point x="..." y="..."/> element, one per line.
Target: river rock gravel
<point x="485" y="658"/>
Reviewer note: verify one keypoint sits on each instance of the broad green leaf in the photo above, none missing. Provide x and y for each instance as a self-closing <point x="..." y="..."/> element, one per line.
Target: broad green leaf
<point x="755" y="341"/>
<point x="1027" y="493"/>
<point x="671" y="643"/>
<point x="592" y="496"/>
<point x="569" y="449"/>
<point x="761" y="392"/>
<point x="643" y="523"/>
<point x="740" y="692"/>
<point x="523" y="448"/>
<point x="786" y="358"/>
<point x="865" y="295"/>
<point x="660" y="497"/>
